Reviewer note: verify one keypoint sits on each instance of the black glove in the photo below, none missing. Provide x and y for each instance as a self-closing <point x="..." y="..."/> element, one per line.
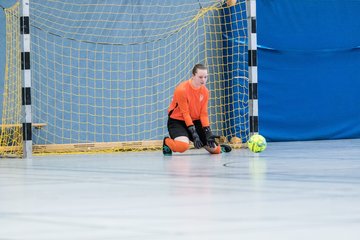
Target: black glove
<point x="210" y="138"/>
<point x="196" y="138"/>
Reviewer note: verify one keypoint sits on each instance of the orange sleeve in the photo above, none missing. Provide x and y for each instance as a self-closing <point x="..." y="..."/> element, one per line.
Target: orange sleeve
<point x="204" y="116"/>
<point x="181" y="99"/>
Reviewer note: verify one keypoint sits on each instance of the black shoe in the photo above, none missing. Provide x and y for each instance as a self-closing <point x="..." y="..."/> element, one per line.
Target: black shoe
<point x="166" y="150"/>
<point x="225" y="148"/>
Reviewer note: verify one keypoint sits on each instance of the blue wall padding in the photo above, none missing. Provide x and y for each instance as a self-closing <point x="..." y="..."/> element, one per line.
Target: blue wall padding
<point x="309" y="69"/>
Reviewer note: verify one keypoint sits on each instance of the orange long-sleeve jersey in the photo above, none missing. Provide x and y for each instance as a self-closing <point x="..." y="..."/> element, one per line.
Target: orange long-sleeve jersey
<point x="189" y="104"/>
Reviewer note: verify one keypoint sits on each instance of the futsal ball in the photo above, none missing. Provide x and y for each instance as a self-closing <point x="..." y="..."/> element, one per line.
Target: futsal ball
<point x="257" y="143"/>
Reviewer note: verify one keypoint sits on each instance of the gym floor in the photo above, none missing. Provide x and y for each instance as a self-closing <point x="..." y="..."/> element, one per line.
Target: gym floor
<point x="293" y="190"/>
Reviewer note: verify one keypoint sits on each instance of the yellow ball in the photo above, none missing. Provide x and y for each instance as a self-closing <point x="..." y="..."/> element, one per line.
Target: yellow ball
<point x="257" y="143"/>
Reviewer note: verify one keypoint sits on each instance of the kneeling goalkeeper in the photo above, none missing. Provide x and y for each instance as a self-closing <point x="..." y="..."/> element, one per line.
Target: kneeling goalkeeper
<point x="188" y="116"/>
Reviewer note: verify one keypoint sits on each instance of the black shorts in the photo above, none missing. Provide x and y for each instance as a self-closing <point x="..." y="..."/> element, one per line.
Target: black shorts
<point x="178" y="128"/>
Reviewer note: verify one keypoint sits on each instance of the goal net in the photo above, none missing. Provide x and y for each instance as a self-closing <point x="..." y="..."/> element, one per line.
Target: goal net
<point x="10" y="90"/>
<point x="103" y="72"/>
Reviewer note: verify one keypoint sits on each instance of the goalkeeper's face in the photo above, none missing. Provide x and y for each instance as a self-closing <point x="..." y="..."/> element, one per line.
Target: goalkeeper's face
<point x="200" y="78"/>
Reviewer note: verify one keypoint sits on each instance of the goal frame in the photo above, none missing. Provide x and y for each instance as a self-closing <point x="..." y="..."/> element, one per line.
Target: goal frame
<point x="27" y="125"/>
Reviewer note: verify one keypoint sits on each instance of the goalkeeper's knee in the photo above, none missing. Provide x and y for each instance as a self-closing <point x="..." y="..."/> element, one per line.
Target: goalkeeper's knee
<point x="177" y="146"/>
<point x="181" y="146"/>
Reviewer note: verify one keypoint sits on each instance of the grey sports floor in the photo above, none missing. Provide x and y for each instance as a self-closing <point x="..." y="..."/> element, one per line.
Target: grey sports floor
<point x="293" y="190"/>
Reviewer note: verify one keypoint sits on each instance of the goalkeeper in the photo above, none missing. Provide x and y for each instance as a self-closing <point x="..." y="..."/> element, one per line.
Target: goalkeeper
<point x="188" y="116"/>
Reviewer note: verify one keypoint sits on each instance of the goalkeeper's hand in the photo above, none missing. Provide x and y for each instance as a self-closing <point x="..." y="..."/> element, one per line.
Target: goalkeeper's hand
<point x="196" y="138"/>
<point x="210" y="138"/>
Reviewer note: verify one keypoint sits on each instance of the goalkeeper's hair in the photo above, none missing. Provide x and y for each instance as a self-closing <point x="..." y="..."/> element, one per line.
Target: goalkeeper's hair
<point x="198" y="66"/>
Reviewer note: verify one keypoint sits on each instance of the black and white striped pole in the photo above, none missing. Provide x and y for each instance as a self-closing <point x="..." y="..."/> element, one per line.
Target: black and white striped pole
<point x="26" y="73"/>
<point x="253" y="70"/>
